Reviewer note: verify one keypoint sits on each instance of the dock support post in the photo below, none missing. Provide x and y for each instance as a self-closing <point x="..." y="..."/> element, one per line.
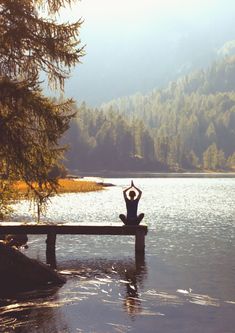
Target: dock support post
<point x="140" y="241"/>
<point x="50" y="249"/>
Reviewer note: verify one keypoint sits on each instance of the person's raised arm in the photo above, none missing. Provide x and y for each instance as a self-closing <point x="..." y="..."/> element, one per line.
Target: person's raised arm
<point x="125" y="192"/>
<point x="138" y="190"/>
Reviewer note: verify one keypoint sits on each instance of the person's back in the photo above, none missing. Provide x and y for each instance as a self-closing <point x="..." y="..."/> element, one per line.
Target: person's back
<point x="132" y="206"/>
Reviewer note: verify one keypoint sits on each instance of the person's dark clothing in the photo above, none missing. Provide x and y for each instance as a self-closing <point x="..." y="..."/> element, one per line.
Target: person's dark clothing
<point x="134" y="221"/>
<point x="131" y="207"/>
<point x="132" y="218"/>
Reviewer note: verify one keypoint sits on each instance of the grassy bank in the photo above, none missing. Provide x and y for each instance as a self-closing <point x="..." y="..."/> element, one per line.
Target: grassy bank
<point x="76" y="186"/>
<point x="65" y="186"/>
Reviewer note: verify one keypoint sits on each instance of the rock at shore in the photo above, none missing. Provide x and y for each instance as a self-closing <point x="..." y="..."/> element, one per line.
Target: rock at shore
<point x="20" y="273"/>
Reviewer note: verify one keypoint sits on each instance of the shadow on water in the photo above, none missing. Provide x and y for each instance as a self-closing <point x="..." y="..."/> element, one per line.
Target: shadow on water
<point x="111" y="295"/>
<point x="113" y="283"/>
<point x="185" y="285"/>
<point x="135" y="278"/>
<point x="27" y="311"/>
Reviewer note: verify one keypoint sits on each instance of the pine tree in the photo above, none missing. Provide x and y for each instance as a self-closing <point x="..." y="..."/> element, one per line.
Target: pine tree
<point x="231" y="161"/>
<point x="210" y="157"/>
<point x="30" y="123"/>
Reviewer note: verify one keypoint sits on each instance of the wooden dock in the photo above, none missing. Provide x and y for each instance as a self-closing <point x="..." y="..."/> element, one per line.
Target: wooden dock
<point x="51" y="230"/>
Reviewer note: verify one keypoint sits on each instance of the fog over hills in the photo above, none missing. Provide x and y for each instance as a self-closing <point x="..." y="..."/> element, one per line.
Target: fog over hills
<point x="137" y="46"/>
<point x="189" y="125"/>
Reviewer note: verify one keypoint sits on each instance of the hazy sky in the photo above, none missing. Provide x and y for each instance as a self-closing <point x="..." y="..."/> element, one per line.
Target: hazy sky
<point x="110" y="11"/>
<point x="136" y="45"/>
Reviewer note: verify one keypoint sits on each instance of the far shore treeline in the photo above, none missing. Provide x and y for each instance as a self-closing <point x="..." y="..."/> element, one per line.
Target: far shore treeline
<point x="189" y="125"/>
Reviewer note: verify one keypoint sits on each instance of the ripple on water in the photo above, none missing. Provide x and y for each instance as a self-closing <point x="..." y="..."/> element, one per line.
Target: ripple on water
<point x="186" y="282"/>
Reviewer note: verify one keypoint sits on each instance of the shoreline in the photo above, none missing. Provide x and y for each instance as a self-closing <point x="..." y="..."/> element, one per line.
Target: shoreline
<point x="146" y="174"/>
<point x="65" y="185"/>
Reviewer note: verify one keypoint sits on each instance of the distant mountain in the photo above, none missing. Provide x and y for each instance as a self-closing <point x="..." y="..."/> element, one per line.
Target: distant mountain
<point x="218" y="78"/>
<point x="124" y="60"/>
<point x="189" y="125"/>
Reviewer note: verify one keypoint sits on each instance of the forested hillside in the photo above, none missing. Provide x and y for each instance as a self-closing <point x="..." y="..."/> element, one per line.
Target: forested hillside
<point x="190" y="125"/>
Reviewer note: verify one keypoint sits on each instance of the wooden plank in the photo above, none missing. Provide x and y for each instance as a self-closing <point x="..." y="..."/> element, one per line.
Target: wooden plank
<point x="51" y="230"/>
<point x="72" y="229"/>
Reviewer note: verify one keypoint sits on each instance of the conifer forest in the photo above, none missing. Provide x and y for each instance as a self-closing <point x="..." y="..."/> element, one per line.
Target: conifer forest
<point x="189" y="125"/>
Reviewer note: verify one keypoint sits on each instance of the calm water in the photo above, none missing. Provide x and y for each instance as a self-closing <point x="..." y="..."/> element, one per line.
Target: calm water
<point x="185" y="283"/>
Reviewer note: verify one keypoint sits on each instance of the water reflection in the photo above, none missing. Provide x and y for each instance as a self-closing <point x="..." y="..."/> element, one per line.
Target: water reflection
<point x="187" y="282"/>
<point x="134" y="279"/>
<point x="112" y="282"/>
<point x="30" y="311"/>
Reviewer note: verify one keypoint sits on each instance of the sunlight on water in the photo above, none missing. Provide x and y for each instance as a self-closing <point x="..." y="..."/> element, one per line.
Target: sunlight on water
<point x="184" y="284"/>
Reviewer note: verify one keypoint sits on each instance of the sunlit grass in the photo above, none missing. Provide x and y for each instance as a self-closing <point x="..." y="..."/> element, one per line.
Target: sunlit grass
<point x="74" y="186"/>
<point x="65" y="186"/>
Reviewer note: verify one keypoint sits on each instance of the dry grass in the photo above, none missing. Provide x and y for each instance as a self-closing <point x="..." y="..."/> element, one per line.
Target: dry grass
<point x="65" y="186"/>
<point x="74" y="186"/>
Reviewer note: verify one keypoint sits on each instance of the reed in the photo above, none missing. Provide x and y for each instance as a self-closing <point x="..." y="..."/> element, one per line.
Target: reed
<point x="74" y="186"/>
<point x="65" y="186"/>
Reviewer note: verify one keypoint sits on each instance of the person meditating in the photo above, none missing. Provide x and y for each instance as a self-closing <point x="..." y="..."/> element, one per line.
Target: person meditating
<point x="131" y="206"/>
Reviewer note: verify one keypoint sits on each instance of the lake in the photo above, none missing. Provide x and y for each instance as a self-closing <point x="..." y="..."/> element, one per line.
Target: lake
<point x="184" y="284"/>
